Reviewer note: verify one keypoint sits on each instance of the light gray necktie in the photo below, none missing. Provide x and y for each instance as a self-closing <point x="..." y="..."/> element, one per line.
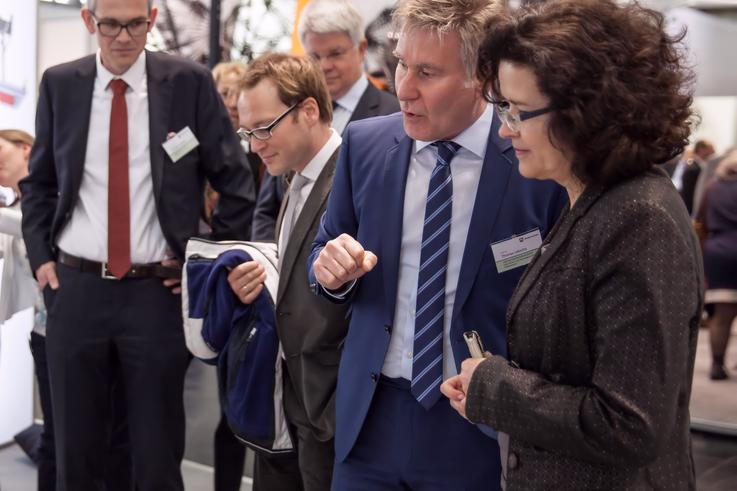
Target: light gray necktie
<point x="291" y="213"/>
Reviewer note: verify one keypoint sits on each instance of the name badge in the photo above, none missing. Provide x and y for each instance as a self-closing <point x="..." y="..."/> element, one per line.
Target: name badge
<point x="180" y="144"/>
<point x="516" y="251"/>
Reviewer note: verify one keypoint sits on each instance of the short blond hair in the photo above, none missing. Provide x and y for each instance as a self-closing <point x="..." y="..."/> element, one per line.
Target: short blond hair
<point x="17" y="137"/>
<point x="226" y="68"/>
<point x="296" y="78"/>
<point x="467" y="18"/>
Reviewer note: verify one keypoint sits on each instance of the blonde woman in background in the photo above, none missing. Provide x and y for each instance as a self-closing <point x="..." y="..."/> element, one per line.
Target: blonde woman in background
<point x="18" y="289"/>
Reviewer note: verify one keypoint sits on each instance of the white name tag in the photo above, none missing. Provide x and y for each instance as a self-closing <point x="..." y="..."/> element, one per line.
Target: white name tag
<point x="180" y="144"/>
<point x="516" y="251"/>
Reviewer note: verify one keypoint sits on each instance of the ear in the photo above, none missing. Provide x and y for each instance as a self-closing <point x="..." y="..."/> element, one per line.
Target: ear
<point x="26" y="150"/>
<point x="88" y="22"/>
<point x="362" y="44"/>
<point x="311" y="110"/>
<point x="152" y="18"/>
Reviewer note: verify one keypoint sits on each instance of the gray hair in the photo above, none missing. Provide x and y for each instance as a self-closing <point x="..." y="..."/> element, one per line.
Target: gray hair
<point x="324" y="16"/>
<point x="92" y="5"/>
<point x="467" y="18"/>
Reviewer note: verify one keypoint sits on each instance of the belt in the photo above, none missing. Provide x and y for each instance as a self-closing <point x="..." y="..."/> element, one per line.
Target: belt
<point x="148" y="270"/>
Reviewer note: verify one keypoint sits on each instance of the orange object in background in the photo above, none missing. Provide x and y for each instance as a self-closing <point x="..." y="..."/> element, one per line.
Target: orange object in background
<point x="297" y="48"/>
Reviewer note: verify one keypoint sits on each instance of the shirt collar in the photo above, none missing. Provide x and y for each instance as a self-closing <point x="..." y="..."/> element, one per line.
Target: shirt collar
<point x="315" y="166"/>
<point x="475" y="138"/>
<point x="135" y="76"/>
<point x="350" y="100"/>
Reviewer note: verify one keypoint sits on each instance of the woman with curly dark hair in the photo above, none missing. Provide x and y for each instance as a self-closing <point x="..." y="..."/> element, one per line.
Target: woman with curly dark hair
<point x="602" y="327"/>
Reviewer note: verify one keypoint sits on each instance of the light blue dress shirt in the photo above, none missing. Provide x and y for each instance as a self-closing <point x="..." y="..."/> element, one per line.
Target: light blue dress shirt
<point x="466" y="170"/>
<point x="346" y="105"/>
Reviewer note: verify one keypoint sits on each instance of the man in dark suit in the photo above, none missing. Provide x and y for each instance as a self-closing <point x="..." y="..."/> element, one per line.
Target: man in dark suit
<point x="331" y="32"/>
<point x="284" y="111"/>
<point x="427" y="230"/>
<point x="107" y="211"/>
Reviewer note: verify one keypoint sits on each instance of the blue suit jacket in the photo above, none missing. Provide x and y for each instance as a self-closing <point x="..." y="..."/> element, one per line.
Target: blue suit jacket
<point x="367" y="203"/>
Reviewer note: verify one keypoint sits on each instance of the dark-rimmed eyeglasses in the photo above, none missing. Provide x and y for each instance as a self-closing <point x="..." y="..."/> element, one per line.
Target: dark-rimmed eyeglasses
<point x="514" y="120"/>
<point x="112" y="28"/>
<point x="264" y="133"/>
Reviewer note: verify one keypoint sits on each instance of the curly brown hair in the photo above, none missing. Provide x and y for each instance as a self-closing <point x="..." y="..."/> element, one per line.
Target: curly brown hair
<point x="617" y="81"/>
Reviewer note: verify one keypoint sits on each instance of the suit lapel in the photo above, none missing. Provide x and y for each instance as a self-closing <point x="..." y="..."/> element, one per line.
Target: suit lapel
<point x="367" y="104"/>
<point x="302" y="226"/>
<point x="552" y="243"/>
<point x="396" y="166"/>
<point x="282" y="209"/>
<point x="495" y="174"/>
<point x="81" y="100"/>
<point x="159" y="103"/>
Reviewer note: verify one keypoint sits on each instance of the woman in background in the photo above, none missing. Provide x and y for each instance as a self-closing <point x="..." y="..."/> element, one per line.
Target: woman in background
<point x="20" y="291"/>
<point x="718" y="219"/>
<point x="602" y="327"/>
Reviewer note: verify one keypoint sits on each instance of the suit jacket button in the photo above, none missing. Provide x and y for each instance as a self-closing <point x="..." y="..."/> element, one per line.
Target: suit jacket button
<point x="388" y="328"/>
<point x="374" y="377"/>
<point x="512" y="461"/>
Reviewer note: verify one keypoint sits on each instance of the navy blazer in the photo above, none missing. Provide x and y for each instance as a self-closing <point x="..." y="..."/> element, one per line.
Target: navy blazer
<point x="180" y="93"/>
<point x="367" y="203"/>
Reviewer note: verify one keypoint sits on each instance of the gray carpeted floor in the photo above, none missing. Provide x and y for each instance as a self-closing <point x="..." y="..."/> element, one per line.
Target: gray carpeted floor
<point x="714" y="403"/>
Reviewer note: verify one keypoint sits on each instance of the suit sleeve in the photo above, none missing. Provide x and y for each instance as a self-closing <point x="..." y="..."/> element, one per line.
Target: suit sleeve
<point x="339" y="218"/>
<point x="640" y="317"/>
<point x="267" y="209"/>
<point x="225" y="166"/>
<point x="39" y="190"/>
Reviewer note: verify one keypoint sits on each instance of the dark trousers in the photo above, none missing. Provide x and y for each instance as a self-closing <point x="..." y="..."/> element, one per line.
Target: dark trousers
<point x="402" y="446"/>
<point x="118" y="469"/>
<point x="129" y="332"/>
<point x="46" y="454"/>
<point x="310" y="468"/>
<point x="230" y="455"/>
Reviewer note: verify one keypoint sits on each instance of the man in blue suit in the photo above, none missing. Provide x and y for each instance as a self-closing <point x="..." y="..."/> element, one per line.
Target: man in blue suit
<point x="426" y="233"/>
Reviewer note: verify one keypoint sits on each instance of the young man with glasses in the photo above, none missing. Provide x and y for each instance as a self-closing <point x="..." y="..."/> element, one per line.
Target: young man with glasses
<point x="284" y="112"/>
<point x="331" y="32"/>
<point x="107" y="211"/>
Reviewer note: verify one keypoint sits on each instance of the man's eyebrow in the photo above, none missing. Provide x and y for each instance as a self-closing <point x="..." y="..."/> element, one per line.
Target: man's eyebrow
<point x="110" y="19"/>
<point x="428" y="66"/>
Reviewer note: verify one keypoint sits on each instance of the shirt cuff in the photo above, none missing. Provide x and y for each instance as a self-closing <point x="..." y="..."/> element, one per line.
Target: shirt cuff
<point x="342" y="292"/>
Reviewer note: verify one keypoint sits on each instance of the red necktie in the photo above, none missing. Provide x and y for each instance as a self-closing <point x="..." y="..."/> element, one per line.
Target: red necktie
<point x="118" y="206"/>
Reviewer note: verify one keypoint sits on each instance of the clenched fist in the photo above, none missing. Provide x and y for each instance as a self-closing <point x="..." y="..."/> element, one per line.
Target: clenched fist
<point x="342" y="260"/>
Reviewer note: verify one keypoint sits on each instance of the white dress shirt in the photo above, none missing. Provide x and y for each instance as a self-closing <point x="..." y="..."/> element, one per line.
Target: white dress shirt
<point x="466" y="171"/>
<point x="85" y="234"/>
<point x="311" y="172"/>
<point x="345" y="106"/>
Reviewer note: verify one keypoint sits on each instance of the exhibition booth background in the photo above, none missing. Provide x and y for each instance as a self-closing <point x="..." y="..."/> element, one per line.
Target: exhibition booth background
<point x="44" y="34"/>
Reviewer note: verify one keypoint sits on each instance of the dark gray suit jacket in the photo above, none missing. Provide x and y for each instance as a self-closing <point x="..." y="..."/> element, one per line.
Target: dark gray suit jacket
<point x="602" y="333"/>
<point x="374" y="102"/>
<point x="180" y="94"/>
<point x="311" y="329"/>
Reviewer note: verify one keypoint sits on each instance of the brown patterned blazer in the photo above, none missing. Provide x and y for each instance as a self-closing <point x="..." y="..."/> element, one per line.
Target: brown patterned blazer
<point x="602" y="335"/>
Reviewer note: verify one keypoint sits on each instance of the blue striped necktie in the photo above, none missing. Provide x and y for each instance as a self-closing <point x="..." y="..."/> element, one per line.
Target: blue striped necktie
<point x="427" y="362"/>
